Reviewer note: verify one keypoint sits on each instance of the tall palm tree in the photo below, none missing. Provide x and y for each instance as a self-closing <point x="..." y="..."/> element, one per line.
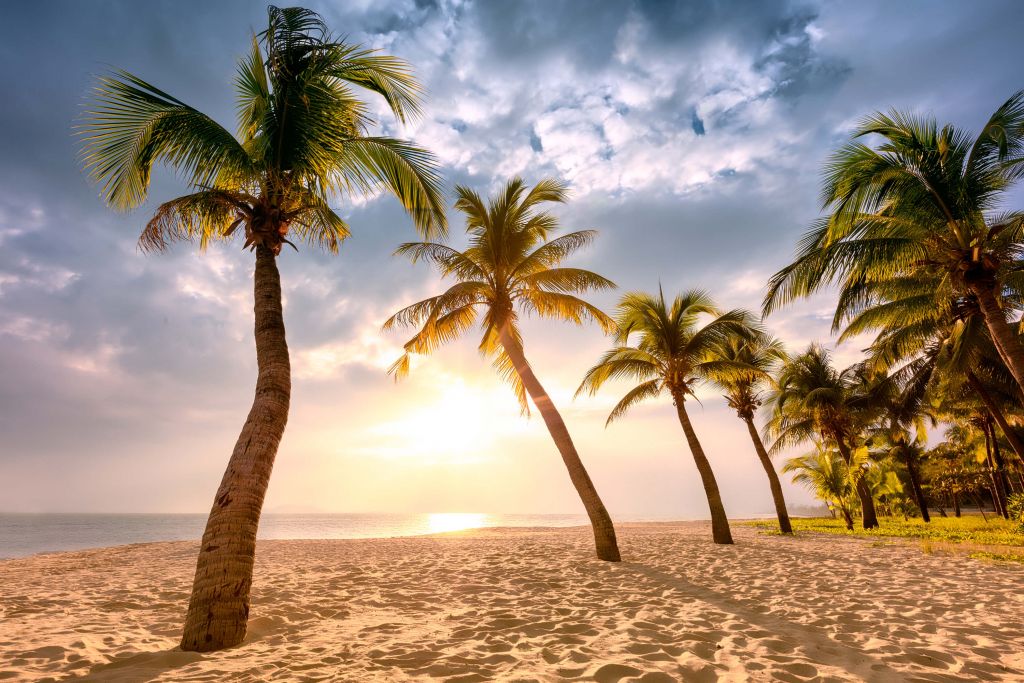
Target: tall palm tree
<point x="510" y="267"/>
<point x="922" y="202"/>
<point x="751" y="357"/>
<point x="814" y="401"/>
<point x="302" y="136"/>
<point x="825" y="473"/>
<point x="672" y="355"/>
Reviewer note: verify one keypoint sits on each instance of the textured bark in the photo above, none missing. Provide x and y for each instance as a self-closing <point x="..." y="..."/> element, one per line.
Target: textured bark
<point x="719" y="522"/>
<point x="915" y="483"/>
<point x="773" y="478"/>
<point x="601" y="522"/>
<point x="869" y="517"/>
<point x="218" y="610"/>
<point x="1006" y="342"/>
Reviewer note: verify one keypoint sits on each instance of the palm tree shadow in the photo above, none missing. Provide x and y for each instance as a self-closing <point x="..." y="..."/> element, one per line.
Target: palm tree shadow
<point x="816" y="645"/>
<point x="144" y="666"/>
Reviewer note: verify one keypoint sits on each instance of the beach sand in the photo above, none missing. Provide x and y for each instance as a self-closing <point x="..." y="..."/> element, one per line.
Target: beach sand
<point x="529" y="604"/>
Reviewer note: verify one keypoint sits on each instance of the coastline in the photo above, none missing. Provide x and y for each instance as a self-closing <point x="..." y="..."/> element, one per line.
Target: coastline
<point x="527" y="603"/>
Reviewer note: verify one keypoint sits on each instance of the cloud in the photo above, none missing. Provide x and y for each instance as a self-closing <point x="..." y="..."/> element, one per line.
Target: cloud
<point x="692" y="134"/>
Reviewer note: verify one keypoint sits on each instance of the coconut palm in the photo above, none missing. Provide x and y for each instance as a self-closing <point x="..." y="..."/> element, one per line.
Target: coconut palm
<point x="814" y="401"/>
<point x="759" y="353"/>
<point x="511" y="267"/>
<point x="672" y="355"/>
<point x="920" y="203"/>
<point x="302" y="136"/>
<point x="825" y="473"/>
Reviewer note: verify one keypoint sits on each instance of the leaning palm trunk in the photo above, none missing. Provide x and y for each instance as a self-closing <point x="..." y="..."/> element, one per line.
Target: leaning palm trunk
<point x="1006" y="341"/>
<point x="600" y="520"/>
<point x="773" y="478"/>
<point x="869" y="517"/>
<point x="219" y="608"/>
<point x="719" y="522"/>
<point x="997" y="414"/>
<point x="915" y="483"/>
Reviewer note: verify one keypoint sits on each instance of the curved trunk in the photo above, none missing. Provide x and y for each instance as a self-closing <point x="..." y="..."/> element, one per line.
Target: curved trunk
<point x="915" y="483"/>
<point x="999" y="473"/>
<point x="869" y="517"/>
<point x="1006" y="342"/>
<point x="997" y="500"/>
<point x="600" y="520"/>
<point x="773" y="478"/>
<point x="719" y="522"/>
<point x="997" y="414"/>
<point x="218" y="610"/>
<point x="848" y="518"/>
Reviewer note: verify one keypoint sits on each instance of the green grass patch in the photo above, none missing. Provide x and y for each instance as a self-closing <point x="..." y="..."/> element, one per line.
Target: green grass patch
<point x="969" y="529"/>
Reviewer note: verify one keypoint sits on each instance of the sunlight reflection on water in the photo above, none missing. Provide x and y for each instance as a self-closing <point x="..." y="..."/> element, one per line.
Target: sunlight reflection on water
<point x="439" y="522"/>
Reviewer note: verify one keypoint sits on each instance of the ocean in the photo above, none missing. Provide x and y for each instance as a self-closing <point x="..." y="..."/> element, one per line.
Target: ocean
<point x="28" y="534"/>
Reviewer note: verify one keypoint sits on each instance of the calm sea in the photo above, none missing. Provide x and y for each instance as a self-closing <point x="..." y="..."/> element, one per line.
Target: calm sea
<point x="27" y="534"/>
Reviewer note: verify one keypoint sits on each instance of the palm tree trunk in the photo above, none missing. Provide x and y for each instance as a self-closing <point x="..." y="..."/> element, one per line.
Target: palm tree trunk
<point x="601" y="522"/>
<point x="999" y="473"/>
<point x="773" y="478"/>
<point x="997" y="414"/>
<point x="218" y="610"/>
<point x="915" y="483"/>
<point x="1006" y="342"/>
<point x="869" y="518"/>
<point x="847" y="518"/>
<point x="719" y="522"/>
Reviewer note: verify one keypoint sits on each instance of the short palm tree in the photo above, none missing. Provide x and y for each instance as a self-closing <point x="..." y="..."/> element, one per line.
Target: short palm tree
<point x="812" y="401"/>
<point x="511" y="267"/>
<point x="826" y="474"/>
<point x="923" y="202"/>
<point x="302" y="136"/>
<point x="750" y="359"/>
<point x="672" y="355"/>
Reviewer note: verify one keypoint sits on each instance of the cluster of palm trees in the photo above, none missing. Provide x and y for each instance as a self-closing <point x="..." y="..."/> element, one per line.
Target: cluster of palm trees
<point x="910" y="238"/>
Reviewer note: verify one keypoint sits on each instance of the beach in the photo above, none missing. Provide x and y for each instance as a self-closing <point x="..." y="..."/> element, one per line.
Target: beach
<point x="529" y="605"/>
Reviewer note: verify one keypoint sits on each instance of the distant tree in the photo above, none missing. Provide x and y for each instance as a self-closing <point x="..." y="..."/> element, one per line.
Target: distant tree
<point x="673" y="354"/>
<point x="510" y="267"/>
<point x="748" y="360"/>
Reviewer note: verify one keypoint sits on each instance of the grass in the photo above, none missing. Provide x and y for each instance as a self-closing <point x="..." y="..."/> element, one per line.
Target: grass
<point x="997" y="539"/>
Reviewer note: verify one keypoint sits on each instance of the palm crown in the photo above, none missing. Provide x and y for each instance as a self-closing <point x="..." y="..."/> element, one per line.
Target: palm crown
<point x="301" y="138"/>
<point x="509" y="266"/>
<point x="922" y="201"/>
<point x="673" y="352"/>
<point x="812" y="399"/>
<point x="748" y="358"/>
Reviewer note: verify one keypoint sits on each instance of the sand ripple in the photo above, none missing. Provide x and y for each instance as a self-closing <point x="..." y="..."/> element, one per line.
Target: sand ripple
<point x="528" y="605"/>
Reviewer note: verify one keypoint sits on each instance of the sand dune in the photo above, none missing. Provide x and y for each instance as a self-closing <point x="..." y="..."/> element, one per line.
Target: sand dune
<point x="528" y="605"/>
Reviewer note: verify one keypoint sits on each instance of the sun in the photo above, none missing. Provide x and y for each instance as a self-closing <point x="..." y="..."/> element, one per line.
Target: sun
<point x="457" y="422"/>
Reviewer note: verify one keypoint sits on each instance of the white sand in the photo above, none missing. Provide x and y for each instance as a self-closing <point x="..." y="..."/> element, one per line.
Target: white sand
<point x="518" y="605"/>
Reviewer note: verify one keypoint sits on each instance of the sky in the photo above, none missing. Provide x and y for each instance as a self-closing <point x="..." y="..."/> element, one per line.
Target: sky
<point x="692" y="135"/>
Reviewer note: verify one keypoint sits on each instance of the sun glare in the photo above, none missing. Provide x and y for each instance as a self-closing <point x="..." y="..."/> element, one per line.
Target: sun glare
<point x="459" y="422"/>
<point x="440" y="522"/>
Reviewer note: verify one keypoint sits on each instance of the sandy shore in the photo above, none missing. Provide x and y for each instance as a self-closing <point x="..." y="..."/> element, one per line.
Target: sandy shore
<point x="524" y="605"/>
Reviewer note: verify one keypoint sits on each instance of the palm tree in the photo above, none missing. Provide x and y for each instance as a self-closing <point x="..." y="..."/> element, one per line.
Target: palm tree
<point x="302" y="136"/>
<point x="673" y="355"/>
<point x="813" y="400"/>
<point x="759" y="353"/>
<point x="827" y="475"/>
<point x="510" y="267"/>
<point x="921" y="203"/>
